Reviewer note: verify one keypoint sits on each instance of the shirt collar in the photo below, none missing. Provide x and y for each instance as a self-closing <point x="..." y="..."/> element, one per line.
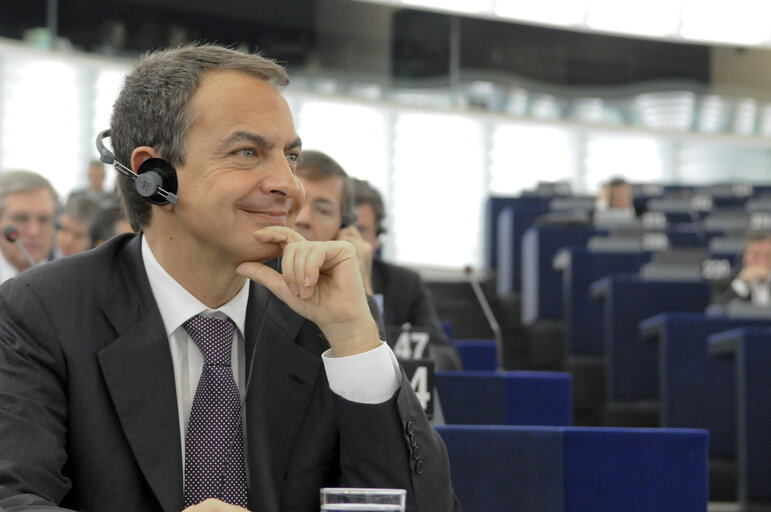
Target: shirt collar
<point x="178" y="305"/>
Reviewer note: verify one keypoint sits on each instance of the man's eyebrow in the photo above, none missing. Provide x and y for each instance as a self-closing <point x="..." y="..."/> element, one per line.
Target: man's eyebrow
<point x="243" y="136"/>
<point x="295" y="144"/>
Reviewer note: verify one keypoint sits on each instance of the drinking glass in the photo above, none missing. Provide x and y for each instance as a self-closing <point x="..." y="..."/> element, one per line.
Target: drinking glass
<point x="346" y="499"/>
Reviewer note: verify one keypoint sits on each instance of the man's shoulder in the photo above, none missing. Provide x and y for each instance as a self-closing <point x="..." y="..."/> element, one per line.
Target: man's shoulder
<point x="81" y="270"/>
<point x="391" y="271"/>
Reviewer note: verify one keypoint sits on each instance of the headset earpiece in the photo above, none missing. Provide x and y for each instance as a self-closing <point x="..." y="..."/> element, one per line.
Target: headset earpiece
<point x="156" y="179"/>
<point x="154" y="174"/>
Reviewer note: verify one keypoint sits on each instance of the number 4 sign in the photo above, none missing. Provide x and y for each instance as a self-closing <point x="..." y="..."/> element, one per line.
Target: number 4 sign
<point x="420" y="372"/>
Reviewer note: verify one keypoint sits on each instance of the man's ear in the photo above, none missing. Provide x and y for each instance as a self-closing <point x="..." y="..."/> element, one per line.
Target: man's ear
<point x="141" y="154"/>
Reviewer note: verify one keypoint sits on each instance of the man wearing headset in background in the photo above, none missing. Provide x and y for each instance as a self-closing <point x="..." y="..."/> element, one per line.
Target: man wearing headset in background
<point x="333" y="201"/>
<point x="103" y="355"/>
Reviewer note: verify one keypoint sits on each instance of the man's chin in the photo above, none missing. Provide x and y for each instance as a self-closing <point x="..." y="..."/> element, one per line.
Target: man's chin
<point x="264" y="253"/>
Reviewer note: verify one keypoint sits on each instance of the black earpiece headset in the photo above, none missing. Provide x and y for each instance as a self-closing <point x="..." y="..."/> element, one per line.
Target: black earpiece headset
<point x="155" y="180"/>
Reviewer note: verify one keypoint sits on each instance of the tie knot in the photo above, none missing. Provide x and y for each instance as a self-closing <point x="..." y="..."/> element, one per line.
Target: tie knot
<point x="214" y="338"/>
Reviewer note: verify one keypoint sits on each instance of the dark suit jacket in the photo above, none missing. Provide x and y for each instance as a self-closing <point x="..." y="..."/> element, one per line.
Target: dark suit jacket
<point x="406" y="300"/>
<point x="723" y="291"/>
<point x="88" y="414"/>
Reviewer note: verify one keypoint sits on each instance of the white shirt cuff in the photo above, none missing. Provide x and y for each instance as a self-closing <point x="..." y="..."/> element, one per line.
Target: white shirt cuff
<point x="371" y="377"/>
<point x="741" y="288"/>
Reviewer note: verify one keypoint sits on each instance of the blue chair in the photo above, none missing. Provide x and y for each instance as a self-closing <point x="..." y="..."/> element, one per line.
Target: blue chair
<point x="583" y="315"/>
<point x="477" y="355"/>
<point x="505" y="398"/>
<point x="512" y="222"/>
<point x="696" y="391"/>
<point x="750" y="350"/>
<point x="577" y="469"/>
<point x="631" y="365"/>
<point x="541" y="283"/>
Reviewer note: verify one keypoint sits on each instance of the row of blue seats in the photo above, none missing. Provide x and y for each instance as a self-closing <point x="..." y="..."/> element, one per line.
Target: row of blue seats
<point x="511" y="447"/>
<point x="698" y="391"/>
<point x="577" y="469"/>
<point x="507" y="220"/>
<point x="602" y="318"/>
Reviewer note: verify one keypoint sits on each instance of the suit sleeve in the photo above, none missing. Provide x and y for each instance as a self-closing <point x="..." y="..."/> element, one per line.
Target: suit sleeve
<point x="393" y="445"/>
<point x="723" y="291"/>
<point x="33" y="404"/>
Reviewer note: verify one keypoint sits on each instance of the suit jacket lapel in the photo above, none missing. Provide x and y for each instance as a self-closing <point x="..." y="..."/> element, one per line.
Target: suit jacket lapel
<point x="138" y="370"/>
<point x="280" y="385"/>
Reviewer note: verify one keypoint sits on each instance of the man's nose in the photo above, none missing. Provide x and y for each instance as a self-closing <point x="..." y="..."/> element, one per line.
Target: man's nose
<point x="304" y="217"/>
<point x="282" y="180"/>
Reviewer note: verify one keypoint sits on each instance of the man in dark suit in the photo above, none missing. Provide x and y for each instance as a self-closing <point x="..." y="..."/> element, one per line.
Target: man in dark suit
<point x="405" y="297"/>
<point x="101" y="366"/>
<point x="341" y="208"/>
<point x="752" y="282"/>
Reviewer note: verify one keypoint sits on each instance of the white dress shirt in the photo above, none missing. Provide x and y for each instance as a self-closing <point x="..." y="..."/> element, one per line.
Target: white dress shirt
<point x="760" y="292"/>
<point x="370" y="377"/>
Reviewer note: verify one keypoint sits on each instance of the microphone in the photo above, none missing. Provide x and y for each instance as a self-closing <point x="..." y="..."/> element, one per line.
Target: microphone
<point x="488" y="312"/>
<point x="12" y="235"/>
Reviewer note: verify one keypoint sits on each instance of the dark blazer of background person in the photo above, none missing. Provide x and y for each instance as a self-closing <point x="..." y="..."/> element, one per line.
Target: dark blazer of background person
<point x="406" y="300"/>
<point x="88" y="414"/>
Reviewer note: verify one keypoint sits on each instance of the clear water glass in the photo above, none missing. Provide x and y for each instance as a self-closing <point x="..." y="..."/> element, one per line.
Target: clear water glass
<point x="347" y="499"/>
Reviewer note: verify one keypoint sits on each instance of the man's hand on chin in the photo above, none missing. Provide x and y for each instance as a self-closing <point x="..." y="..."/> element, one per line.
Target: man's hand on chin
<point x="322" y="282"/>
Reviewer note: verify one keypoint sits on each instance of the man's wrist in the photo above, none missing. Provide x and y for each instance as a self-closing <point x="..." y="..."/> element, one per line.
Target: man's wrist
<point x="351" y="338"/>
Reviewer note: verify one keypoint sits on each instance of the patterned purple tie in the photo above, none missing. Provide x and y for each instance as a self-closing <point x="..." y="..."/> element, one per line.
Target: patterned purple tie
<point x="214" y="448"/>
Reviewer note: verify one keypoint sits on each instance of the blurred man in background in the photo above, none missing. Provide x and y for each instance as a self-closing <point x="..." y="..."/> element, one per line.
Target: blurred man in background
<point x="751" y="282"/>
<point x="405" y="297"/>
<point x="28" y="205"/>
<point x="72" y="226"/>
<point x="95" y="190"/>
<point x="106" y="223"/>
<point x="330" y="213"/>
<point x="616" y="195"/>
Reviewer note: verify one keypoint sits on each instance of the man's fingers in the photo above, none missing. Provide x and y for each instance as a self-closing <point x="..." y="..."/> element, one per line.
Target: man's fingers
<point x="267" y="277"/>
<point x="308" y="260"/>
<point x="280" y="235"/>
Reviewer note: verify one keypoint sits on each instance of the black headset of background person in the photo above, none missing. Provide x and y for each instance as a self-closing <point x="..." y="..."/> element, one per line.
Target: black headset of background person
<point x="155" y="180"/>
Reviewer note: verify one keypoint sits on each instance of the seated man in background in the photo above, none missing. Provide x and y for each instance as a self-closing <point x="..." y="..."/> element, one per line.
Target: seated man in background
<point x="616" y="194"/>
<point x="106" y="223"/>
<point x="72" y="226"/>
<point x="28" y="205"/>
<point x="333" y="201"/>
<point x="95" y="189"/>
<point x="751" y="282"/>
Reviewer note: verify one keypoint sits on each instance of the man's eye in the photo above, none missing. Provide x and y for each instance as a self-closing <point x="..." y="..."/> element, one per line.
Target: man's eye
<point x="292" y="157"/>
<point x="247" y="152"/>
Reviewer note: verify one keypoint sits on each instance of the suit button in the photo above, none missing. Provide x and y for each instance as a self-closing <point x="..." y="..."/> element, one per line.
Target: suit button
<point x="419" y="467"/>
<point x="413" y="441"/>
<point x="416" y="452"/>
<point x="410" y="427"/>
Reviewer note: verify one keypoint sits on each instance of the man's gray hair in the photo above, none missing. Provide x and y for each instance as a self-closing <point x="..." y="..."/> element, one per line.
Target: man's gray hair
<point x="13" y="182"/>
<point x="152" y="108"/>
